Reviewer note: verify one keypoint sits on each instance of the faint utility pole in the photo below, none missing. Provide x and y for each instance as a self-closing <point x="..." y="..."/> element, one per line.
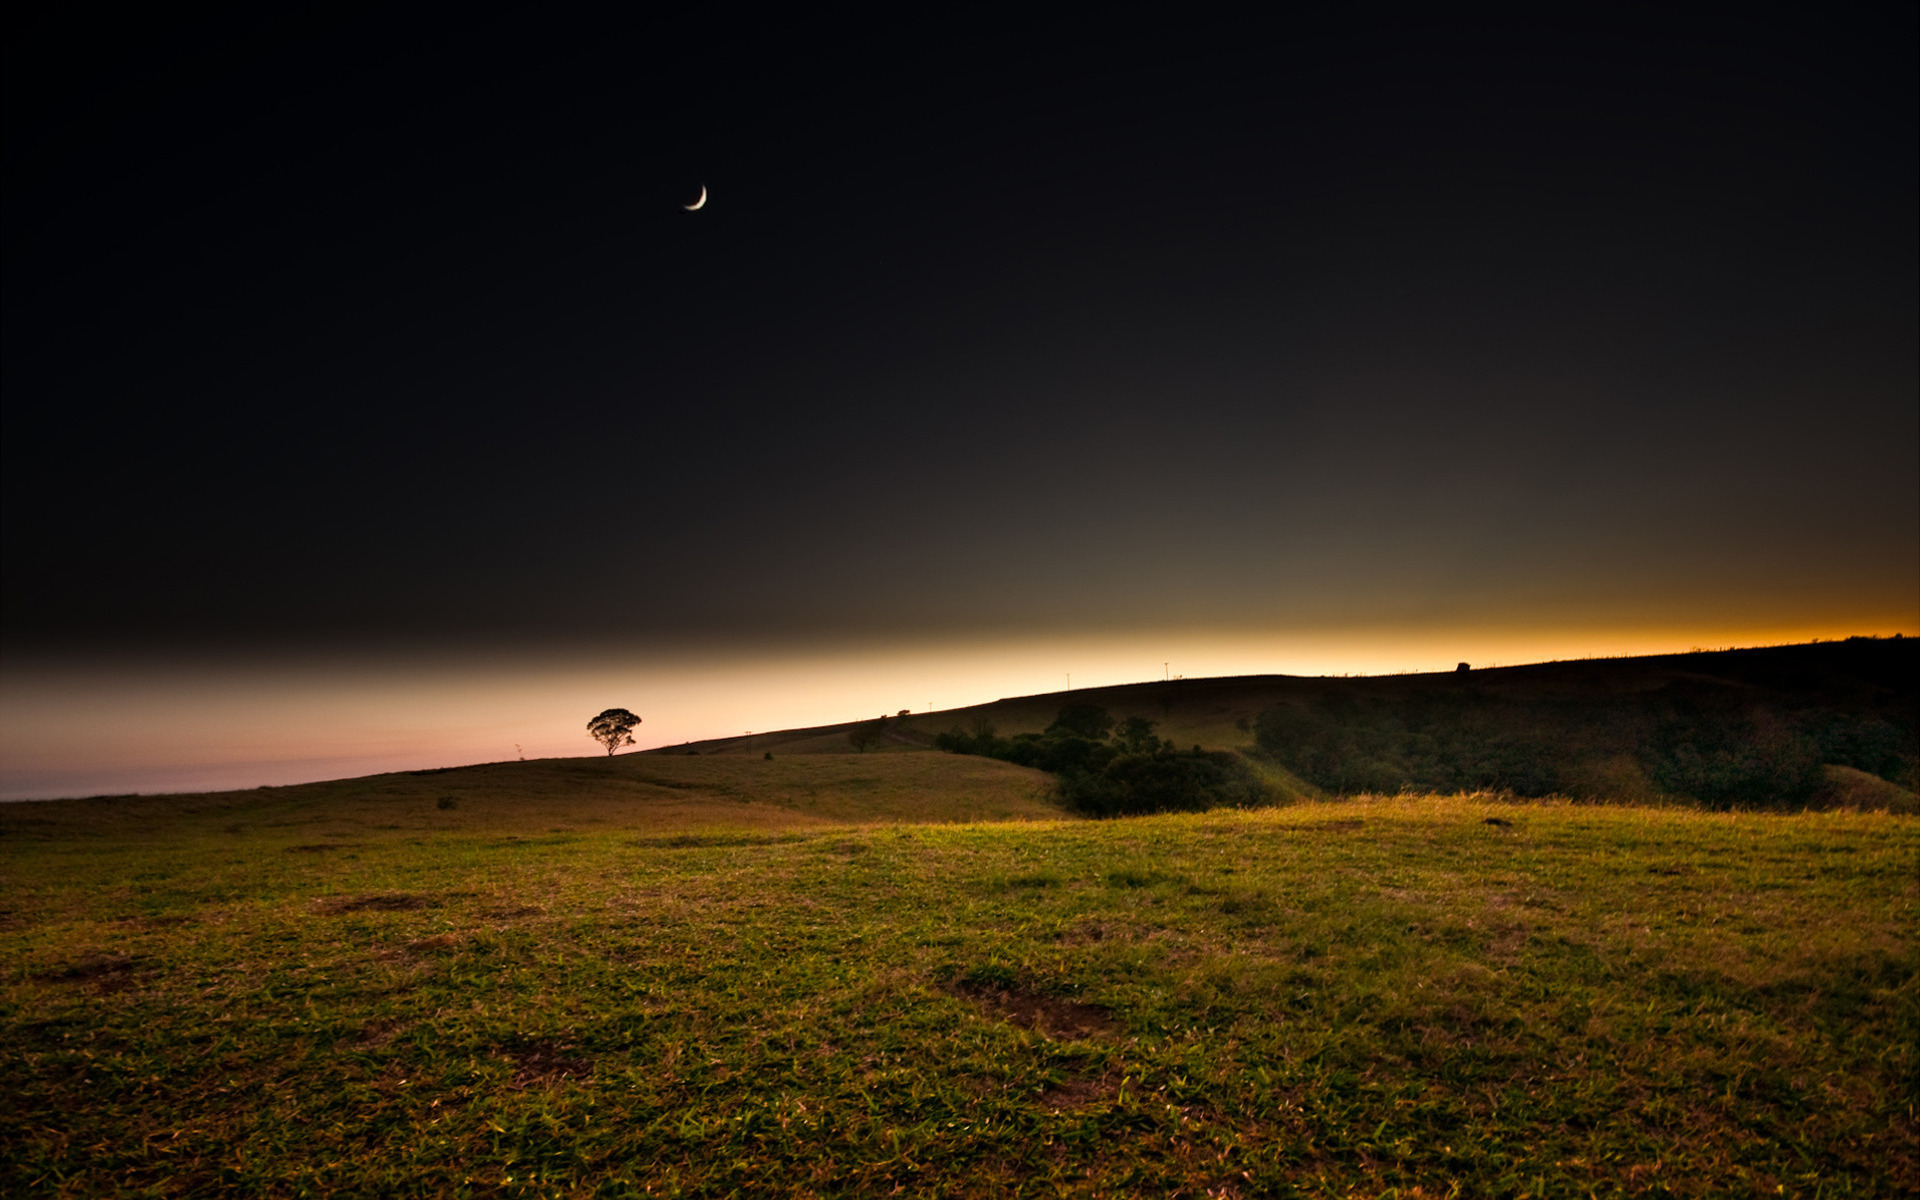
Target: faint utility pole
<point x="1164" y="668"/>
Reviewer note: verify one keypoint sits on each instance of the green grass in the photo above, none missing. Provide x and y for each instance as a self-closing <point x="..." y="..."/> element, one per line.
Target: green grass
<point x="633" y="989"/>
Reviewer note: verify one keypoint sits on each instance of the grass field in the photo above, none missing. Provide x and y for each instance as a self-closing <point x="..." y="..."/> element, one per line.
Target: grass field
<point x="563" y="795"/>
<point x="731" y="976"/>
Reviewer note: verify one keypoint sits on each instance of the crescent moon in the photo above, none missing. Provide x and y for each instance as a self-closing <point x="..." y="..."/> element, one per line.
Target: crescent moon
<point x="699" y="204"/>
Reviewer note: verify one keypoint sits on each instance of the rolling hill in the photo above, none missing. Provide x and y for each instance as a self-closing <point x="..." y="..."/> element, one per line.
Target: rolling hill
<point x="1776" y="726"/>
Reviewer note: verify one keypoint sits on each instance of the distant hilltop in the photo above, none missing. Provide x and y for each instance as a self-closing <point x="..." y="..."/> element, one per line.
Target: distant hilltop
<point x="1777" y="726"/>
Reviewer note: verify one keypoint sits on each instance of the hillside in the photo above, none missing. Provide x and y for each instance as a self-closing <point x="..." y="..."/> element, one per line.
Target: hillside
<point x="1777" y="724"/>
<point x="553" y="796"/>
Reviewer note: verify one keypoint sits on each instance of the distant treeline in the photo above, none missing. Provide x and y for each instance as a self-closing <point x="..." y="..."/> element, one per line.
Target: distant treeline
<point x="1109" y="769"/>
<point x="1722" y="743"/>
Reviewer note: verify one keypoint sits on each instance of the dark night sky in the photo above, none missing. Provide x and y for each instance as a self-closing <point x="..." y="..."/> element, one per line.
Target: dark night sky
<point x="326" y="324"/>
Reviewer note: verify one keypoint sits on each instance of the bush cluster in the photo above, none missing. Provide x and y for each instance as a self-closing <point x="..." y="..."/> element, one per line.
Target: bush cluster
<point x="1106" y="768"/>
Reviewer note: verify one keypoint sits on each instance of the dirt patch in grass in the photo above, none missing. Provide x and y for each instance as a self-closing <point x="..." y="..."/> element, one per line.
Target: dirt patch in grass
<point x="1253" y="908"/>
<point x="437" y="944"/>
<point x="379" y="1032"/>
<point x="323" y="847"/>
<point x="110" y="971"/>
<point x="541" y="1061"/>
<point x="1076" y="1095"/>
<point x="1049" y="1016"/>
<point x="385" y="902"/>
<point x="1086" y="930"/>
<point x="1343" y="825"/>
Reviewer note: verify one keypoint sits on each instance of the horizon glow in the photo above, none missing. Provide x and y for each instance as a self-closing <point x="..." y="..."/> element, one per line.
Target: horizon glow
<point x="183" y="725"/>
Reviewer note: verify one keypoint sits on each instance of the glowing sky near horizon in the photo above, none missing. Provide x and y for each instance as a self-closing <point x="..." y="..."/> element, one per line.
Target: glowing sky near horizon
<point x="184" y="726"/>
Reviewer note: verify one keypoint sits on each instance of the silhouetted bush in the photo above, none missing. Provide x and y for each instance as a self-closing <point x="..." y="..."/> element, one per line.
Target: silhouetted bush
<point x="1133" y="774"/>
<point x="1088" y="721"/>
<point x="1164" y="780"/>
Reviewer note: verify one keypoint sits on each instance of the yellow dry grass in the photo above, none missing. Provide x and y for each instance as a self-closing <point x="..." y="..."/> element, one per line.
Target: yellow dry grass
<point x="648" y="794"/>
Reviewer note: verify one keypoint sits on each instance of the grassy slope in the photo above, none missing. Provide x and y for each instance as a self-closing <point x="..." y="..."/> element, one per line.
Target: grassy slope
<point x="631" y="792"/>
<point x="1218" y="713"/>
<point x="662" y="1000"/>
<point x="1863" y="676"/>
<point x="1201" y="711"/>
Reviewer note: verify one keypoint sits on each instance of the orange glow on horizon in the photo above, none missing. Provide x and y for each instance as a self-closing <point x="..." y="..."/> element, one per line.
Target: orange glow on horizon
<point x="242" y="723"/>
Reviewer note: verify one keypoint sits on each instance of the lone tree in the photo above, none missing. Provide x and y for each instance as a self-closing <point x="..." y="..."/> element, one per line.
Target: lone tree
<point x="613" y="729"/>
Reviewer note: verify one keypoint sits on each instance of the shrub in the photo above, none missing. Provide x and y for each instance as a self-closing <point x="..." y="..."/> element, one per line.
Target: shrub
<point x="1088" y="721"/>
<point x="1132" y="774"/>
<point x="1163" y="781"/>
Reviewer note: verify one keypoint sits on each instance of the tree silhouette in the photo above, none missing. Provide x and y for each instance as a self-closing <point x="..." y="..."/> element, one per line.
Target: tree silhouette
<point x="613" y="729"/>
<point x="1135" y="735"/>
<point x="1088" y="721"/>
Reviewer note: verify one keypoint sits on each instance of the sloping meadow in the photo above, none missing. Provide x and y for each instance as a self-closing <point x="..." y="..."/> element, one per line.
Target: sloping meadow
<point x="1408" y="994"/>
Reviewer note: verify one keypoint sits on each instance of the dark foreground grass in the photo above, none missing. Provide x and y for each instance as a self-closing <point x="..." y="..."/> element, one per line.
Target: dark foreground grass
<point x="1411" y="997"/>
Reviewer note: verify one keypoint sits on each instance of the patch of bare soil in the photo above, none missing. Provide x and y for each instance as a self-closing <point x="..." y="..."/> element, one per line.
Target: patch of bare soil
<point x="1077" y="1094"/>
<point x="107" y="972"/>
<point x="1084" y="931"/>
<point x="1050" y="1016"/>
<point x="387" y="902"/>
<point x="379" y="1032"/>
<point x="433" y="945"/>
<point x="540" y="1061"/>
